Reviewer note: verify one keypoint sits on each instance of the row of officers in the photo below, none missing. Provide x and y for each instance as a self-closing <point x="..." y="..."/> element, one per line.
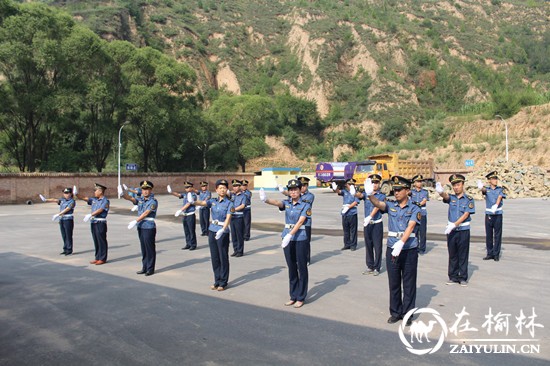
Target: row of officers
<point x="407" y="218"/>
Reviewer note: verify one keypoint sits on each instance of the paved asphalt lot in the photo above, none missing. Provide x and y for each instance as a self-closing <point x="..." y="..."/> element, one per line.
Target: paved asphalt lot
<point x="57" y="310"/>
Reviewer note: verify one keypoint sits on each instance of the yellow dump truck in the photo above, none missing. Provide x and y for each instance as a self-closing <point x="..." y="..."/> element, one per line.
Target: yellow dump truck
<point x="388" y="165"/>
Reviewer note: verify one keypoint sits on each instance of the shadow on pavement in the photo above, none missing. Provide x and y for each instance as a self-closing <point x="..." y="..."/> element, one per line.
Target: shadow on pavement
<point x="255" y="275"/>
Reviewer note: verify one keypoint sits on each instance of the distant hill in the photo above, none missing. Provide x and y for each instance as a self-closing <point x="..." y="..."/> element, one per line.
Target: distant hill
<point x="384" y="73"/>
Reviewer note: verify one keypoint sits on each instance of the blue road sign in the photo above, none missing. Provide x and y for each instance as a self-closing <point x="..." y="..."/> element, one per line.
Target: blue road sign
<point x="469" y="162"/>
<point x="132" y="166"/>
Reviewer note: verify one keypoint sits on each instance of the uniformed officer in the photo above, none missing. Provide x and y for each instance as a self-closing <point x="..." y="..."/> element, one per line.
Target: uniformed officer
<point x="247" y="212"/>
<point x="204" y="215"/>
<point x="349" y="213"/>
<point x="295" y="243"/>
<point x="494" y="196"/>
<point x="65" y="218"/>
<point x="221" y="208"/>
<point x="373" y="228"/>
<point x="401" y="252"/>
<point x="461" y="207"/>
<point x="132" y="192"/>
<point x="188" y="212"/>
<point x="237" y="224"/>
<point x="307" y="197"/>
<point x="98" y="221"/>
<point x="146" y="227"/>
<point x="420" y="196"/>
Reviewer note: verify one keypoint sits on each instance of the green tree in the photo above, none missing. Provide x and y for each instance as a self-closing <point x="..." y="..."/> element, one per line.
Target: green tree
<point x="241" y="122"/>
<point x="34" y="66"/>
<point x="160" y="107"/>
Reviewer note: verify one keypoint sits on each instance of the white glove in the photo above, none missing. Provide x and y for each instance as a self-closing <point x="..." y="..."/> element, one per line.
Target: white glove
<point x="286" y="240"/>
<point x="75" y="190"/>
<point x="352" y="190"/>
<point x="450" y="227"/>
<point x="345" y="208"/>
<point x="494" y="208"/>
<point x="190" y="198"/>
<point x="87" y="217"/>
<point x="334" y="186"/>
<point x="439" y="188"/>
<point x="124" y="186"/>
<point x="367" y="220"/>
<point x="263" y="196"/>
<point x="169" y="189"/>
<point x="134" y="208"/>
<point x="219" y="234"/>
<point x="132" y="224"/>
<point x="120" y="190"/>
<point x="42" y="198"/>
<point x="281" y="188"/>
<point x="397" y="248"/>
<point x="178" y="212"/>
<point x="479" y="185"/>
<point x="369" y="187"/>
<point x="56" y="217"/>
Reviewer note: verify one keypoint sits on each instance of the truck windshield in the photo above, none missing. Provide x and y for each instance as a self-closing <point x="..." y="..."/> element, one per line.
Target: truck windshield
<point x="364" y="168"/>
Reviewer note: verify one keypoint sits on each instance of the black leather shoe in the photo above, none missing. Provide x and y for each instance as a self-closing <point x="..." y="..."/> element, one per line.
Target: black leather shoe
<point x="488" y="257"/>
<point x="140" y="272"/>
<point x="233" y="254"/>
<point x="353" y="249"/>
<point x="63" y="253"/>
<point x="344" y="248"/>
<point x="393" y="319"/>
<point x="239" y="255"/>
<point x="192" y="248"/>
<point x="186" y="247"/>
<point x="150" y="273"/>
<point x="409" y="322"/>
<point x="69" y="253"/>
<point x="497" y="259"/>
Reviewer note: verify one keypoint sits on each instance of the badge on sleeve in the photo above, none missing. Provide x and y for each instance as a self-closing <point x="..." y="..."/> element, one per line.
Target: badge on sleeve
<point x="308" y="212"/>
<point x="232" y="209"/>
<point x="153" y="207"/>
<point x="471" y="205"/>
<point x="419" y="216"/>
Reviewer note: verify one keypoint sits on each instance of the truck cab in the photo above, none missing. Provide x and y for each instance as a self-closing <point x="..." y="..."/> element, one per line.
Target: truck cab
<point x="368" y="167"/>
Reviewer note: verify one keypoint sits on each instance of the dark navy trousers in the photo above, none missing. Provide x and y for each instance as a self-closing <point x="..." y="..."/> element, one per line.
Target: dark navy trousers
<point x="298" y="276"/>
<point x="99" y="234"/>
<point x="67" y="227"/>
<point x="237" y="233"/>
<point x="204" y="220"/>
<point x="402" y="271"/>
<point x="374" y="234"/>
<point x="422" y="229"/>
<point x="189" y="230"/>
<point x="308" y="232"/>
<point x="148" y="249"/>
<point x="493" y="234"/>
<point x="247" y="222"/>
<point x="219" y="254"/>
<point x="458" y="244"/>
<point x="349" y="224"/>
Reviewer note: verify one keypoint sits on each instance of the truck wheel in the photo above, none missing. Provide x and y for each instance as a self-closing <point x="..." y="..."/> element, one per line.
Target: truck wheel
<point x="385" y="188"/>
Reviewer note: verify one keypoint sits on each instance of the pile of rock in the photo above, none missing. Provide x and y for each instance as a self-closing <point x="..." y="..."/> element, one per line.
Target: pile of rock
<point x="518" y="180"/>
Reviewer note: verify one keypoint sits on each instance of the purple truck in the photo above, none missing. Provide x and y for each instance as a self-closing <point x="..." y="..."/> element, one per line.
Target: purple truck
<point x="338" y="172"/>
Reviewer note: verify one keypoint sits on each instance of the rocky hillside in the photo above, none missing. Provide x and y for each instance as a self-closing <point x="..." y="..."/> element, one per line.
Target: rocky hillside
<point x="390" y="72"/>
